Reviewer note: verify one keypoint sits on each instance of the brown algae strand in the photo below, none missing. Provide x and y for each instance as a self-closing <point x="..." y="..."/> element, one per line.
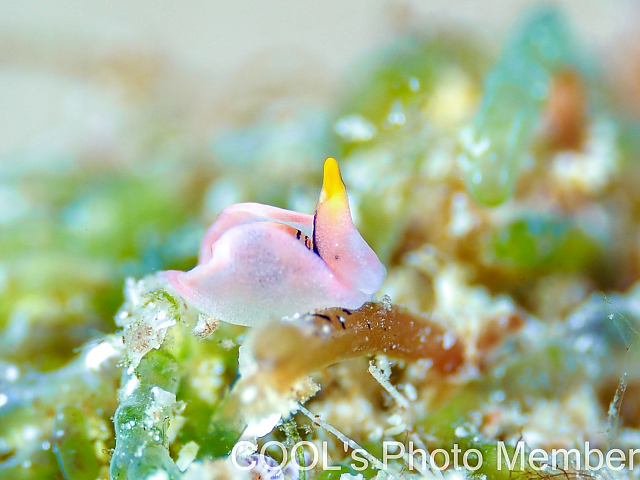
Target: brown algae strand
<point x="290" y="349"/>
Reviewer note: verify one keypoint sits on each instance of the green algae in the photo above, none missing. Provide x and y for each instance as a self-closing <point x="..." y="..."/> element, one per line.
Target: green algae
<point x="381" y="226"/>
<point x="157" y="351"/>
<point x="444" y="425"/>
<point x="542" y="244"/>
<point x="155" y="391"/>
<point x="495" y="148"/>
<point x="442" y="422"/>
<point x="213" y="427"/>
<point x="335" y="471"/>
<point x="401" y="81"/>
<point x="63" y="262"/>
<point x="34" y="410"/>
<point x="142" y="419"/>
<point x="551" y="372"/>
<point x="72" y="445"/>
<point x="41" y="464"/>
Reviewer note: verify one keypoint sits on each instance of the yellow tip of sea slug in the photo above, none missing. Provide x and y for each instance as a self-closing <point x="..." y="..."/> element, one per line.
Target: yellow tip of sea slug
<point x="332" y="185"/>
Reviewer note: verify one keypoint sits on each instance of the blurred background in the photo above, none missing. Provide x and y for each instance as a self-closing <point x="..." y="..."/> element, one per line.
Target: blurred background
<point x="75" y="73"/>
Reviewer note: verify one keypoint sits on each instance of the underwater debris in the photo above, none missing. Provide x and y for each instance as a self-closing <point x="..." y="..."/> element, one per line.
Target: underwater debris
<point x="145" y="316"/>
<point x="187" y="455"/>
<point x="206" y="326"/>
<point x="565" y="116"/>
<point x="382" y="375"/>
<point x="614" y="410"/>
<point x="346" y="440"/>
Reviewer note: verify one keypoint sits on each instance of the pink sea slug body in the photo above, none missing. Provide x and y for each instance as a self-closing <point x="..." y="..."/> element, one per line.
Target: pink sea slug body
<point x="259" y="262"/>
